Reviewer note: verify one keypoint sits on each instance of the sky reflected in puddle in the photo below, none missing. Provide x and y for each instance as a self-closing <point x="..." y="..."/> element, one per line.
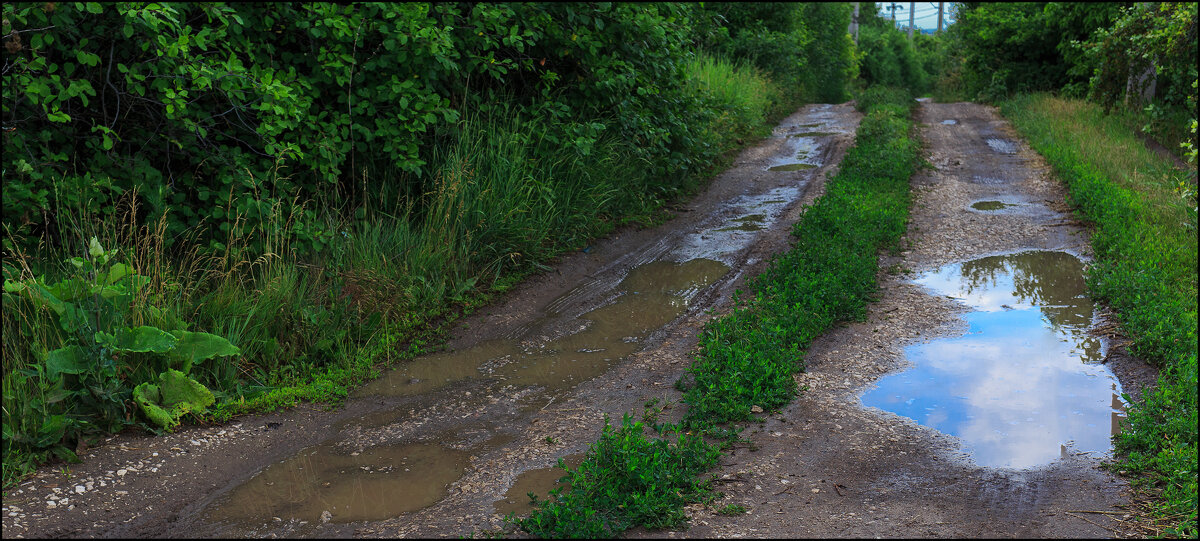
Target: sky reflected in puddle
<point x="1023" y="382"/>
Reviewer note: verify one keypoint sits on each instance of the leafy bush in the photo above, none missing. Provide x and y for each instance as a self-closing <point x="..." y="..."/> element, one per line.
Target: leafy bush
<point x="104" y="354"/>
<point x="226" y="114"/>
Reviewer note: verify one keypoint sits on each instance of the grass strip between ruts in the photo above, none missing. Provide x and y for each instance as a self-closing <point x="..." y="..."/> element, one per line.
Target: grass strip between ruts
<point x="749" y="356"/>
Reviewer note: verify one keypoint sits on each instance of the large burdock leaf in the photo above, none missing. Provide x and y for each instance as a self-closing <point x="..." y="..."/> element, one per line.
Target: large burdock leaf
<point x="139" y="340"/>
<point x="175" y="395"/>
<point x="66" y="360"/>
<point x="194" y="347"/>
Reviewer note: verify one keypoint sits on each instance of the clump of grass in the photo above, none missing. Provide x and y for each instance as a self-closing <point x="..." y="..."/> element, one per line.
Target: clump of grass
<point x="743" y="97"/>
<point x="732" y="509"/>
<point x="627" y="479"/>
<point x="1146" y="246"/>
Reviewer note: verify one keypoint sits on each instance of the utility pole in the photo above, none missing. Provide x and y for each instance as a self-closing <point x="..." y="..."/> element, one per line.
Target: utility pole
<point x="854" y="24"/>
<point x="941" y="7"/>
<point x="911" y="13"/>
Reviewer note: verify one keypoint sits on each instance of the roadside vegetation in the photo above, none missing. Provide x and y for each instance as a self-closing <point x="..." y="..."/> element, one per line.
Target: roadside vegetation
<point x="1121" y="76"/>
<point x="748" y="357"/>
<point x="1144" y="212"/>
<point x="238" y="207"/>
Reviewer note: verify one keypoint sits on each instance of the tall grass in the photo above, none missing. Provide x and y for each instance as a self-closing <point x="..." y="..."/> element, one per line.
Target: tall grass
<point x="743" y="97"/>
<point x="1145" y="240"/>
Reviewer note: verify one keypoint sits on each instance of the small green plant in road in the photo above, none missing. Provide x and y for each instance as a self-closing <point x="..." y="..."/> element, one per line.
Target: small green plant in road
<point x="626" y="479"/>
<point x="732" y="509"/>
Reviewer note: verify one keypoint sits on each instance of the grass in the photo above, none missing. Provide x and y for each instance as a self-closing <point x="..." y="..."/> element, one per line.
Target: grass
<point x="1144" y="212"/>
<point x="749" y="356"/>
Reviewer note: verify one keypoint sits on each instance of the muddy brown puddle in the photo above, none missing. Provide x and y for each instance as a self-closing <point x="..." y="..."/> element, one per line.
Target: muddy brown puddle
<point x="1023" y="386"/>
<point x="325" y="483"/>
<point x="539" y="482"/>
<point x="651" y="296"/>
<point x="991" y="205"/>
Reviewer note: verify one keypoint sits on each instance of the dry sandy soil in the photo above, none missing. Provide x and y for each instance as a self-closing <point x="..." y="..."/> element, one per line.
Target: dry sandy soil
<point x="824" y="466"/>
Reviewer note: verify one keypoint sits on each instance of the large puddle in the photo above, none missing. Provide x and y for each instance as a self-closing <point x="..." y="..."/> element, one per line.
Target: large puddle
<point x="325" y="483"/>
<point x="1022" y="386"/>
<point x="650" y="296"/>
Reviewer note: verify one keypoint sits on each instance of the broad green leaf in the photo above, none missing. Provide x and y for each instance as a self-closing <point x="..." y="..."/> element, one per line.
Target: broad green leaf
<point x="59" y="116"/>
<point x="175" y="395"/>
<point x="139" y="340"/>
<point x="67" y="360"/>
<point x="94" y="248"/>
<point x="194" y="347"/>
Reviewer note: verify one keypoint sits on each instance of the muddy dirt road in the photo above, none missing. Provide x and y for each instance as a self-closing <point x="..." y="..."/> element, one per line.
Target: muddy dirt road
<point x="1031" y="428"/>
<point x="431" y="448"/>
<point x="446" y="444"/>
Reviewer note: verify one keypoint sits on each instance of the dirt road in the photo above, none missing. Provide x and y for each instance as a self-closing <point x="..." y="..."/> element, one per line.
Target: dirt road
<point x="435" y="448"/>
<point x="827" y="466"/>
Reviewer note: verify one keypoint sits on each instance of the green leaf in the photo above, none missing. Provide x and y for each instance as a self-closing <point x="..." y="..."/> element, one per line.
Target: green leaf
<point x="175" y="395"/>
<point x="194" y="347"/>
<point x="59" y="116"/>
<point x="139" y="340"/>
<point x="67" y="360"/>
<point x="94" y="248"/>
<point x="86" y="58"/>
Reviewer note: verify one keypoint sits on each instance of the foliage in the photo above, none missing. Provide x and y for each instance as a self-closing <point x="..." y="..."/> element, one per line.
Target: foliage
<point x="1157" y="39"/>
<point x="102" y="354"/>
<point x="799" y="45"/>
<point x="1022" y="47"/>
<point x="889" y="59"/>
<point x="228" y="113"/>
<point x="173" y="397"/>
<point x="626" y="479"/>
<point x="1146" y="260"/>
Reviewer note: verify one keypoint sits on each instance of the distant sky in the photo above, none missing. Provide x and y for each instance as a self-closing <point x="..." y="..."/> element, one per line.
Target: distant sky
<point x="926" y="14"/>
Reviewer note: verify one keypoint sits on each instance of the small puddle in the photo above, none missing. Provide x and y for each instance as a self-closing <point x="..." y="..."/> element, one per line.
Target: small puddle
<point x="722" y="242"/>
<point x="380" y="482"/>
<point x="991" y="205"/>
<point x="813" y="134"/>
<point x="1002" y="146"/>
<point x="651" y="296"/>
<point x="753" y="222"/>
<point x="792" y="167"/>
<point x="950" y="122"/>
<point x="1024" y="382"/>
<point x="540" y="482"/>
